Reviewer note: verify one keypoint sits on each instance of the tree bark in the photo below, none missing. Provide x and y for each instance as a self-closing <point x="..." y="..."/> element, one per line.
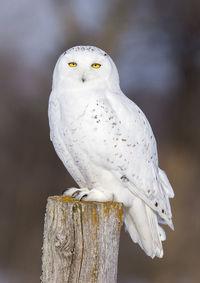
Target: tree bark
<point x="81" y="241"/>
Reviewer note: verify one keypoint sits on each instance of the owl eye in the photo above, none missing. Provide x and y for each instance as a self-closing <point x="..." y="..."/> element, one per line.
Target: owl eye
<point x="72" y="64"/>
<point x="96" y="65"/>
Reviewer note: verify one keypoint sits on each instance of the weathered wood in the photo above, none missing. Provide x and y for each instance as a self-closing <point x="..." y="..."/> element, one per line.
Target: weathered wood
<point x="81" y="241"/>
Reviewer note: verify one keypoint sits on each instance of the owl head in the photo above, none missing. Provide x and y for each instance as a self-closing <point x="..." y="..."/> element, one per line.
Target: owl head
<point x="84" y="67"/>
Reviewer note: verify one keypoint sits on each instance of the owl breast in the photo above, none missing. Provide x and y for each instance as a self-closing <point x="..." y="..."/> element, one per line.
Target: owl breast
<point x="88" y="131"/>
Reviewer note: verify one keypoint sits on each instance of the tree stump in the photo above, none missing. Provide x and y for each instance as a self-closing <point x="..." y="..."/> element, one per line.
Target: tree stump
<point x="81" y="241"/>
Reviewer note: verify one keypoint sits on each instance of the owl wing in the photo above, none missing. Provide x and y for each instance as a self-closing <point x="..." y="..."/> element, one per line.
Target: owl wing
<point x="138" y="167"/>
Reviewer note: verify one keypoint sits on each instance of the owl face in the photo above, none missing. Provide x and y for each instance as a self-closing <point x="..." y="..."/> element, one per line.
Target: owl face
<point x="84" y="67"/>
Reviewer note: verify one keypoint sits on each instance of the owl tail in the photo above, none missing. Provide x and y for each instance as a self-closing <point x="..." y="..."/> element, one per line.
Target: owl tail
<point x="142" y="224"/>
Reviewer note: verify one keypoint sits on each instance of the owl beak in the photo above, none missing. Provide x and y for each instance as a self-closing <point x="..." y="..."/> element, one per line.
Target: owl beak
<point x="83" y="79"/>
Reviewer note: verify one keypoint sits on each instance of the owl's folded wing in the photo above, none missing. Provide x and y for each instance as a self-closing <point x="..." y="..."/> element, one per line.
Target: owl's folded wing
<point x="138" y="168"/>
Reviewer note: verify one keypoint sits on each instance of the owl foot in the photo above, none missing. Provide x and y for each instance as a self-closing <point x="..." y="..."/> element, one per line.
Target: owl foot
<point x="76" y="193"/>
<point x="84" y="194"/>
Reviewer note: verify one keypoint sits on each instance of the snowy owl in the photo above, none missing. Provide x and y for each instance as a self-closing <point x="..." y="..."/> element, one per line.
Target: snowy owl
<point x="106" y="143"/>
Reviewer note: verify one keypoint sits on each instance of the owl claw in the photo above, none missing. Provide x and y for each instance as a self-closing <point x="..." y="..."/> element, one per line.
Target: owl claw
<point x="67" y="192"/>
<point x="75" y="194"/>
<point x="83" y="197"/>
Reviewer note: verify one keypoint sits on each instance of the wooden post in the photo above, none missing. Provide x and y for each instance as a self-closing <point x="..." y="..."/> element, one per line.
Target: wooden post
<point x="81" y="241"/>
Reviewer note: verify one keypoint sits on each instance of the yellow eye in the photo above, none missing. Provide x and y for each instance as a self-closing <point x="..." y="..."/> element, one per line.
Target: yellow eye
<point x="96" y="65"/>
<point x="72" y="64"/>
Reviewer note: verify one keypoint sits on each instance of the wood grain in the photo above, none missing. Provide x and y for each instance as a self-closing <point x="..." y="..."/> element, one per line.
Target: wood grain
<point x="81" y="241"/>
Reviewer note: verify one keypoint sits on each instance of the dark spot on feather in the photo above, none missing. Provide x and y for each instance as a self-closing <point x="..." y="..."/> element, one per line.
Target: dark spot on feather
<point x="124" y="178"/>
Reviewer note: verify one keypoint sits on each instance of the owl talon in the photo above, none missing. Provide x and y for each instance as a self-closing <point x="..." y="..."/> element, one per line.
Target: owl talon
<point x="83" y="197"/>
<point x="69" y="191"/>
<point x="75" y="194"/>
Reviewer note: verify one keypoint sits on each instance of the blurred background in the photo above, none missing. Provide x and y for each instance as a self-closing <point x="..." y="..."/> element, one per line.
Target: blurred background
<point x="156" y="47"/>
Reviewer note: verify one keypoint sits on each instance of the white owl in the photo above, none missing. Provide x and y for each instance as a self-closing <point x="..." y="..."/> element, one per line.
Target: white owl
<point x="107" y="144"/>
